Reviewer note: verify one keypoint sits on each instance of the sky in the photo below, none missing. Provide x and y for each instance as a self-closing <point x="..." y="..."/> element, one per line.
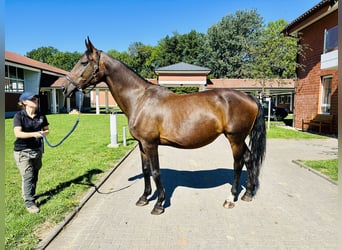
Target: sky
<point x="116" y="24"/>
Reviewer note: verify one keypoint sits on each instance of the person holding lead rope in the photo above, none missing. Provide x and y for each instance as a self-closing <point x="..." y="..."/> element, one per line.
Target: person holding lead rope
<point x="30" y="126"/>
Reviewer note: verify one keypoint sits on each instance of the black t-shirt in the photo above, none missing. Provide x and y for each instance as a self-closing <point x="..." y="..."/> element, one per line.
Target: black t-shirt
<point x="28" y="124"/>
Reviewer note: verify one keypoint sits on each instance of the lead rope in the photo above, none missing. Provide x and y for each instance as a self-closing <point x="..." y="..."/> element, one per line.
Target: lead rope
<point x="80" y="98"/>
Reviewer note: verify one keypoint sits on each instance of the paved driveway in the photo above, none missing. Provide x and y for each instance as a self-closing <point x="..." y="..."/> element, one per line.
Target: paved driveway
<point x="294" y="208"/>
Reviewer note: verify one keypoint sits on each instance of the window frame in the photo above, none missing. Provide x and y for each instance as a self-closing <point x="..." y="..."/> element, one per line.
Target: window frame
<point x="14" y="79"/>
<point x="326" y="92"/>
<point x="330" y="39"/>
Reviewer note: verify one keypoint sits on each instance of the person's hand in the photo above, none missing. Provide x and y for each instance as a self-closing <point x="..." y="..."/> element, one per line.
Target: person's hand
<point x="44" y="133"/>
<point x="38" y="134"/>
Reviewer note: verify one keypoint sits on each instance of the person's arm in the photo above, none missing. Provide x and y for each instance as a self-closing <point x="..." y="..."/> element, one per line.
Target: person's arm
<point x="45" y="130"/>
<point x="18" y="132"/>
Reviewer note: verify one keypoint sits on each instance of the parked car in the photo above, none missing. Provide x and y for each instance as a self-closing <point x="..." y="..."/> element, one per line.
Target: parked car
<point x="277" y="113"/>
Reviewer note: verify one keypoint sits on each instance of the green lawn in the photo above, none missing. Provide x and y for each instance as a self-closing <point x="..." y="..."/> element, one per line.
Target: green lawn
<point x="67" y="173"/>
<point x="70" y="169"/>
<point x="327" y="167"/>
<point x="279" y="130"/>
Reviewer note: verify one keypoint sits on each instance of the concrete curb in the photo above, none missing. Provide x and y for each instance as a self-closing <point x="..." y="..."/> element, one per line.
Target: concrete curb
<point x="299" y="163"/>
<point x="45" y="242"/>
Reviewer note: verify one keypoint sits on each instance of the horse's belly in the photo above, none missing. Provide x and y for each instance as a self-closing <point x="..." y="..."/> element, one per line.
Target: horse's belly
<point x="190" y="139"/>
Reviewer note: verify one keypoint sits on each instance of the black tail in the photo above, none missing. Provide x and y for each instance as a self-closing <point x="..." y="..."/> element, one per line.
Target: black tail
<point x="257" y="142"/>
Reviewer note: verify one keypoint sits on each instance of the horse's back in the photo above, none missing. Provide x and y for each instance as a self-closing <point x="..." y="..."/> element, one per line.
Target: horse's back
<point x="194" y="120"/>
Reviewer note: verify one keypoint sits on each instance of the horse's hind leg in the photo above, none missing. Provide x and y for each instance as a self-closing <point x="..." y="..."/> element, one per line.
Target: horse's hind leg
<point x="250" y="189"/>
<point x="238" y="154"/>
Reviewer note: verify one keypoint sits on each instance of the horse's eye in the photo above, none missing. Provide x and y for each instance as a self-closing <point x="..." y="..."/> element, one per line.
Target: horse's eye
<point x="84" y="63"/>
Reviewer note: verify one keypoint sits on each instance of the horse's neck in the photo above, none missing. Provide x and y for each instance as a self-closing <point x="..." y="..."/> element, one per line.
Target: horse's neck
<point x="125" y="85"/>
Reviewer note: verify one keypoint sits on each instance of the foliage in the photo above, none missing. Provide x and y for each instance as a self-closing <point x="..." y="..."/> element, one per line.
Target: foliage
<point x="274" y="55"/>
<point x="68" y="172"/>
<point x="65" y="60"/>
<point x="142" y="59"/>
<point x="51" y="55"/>
<point x="43" y="54"/>
<point x="122" y="56"/>
<point x="180" y="48"/>
<point x="184" y="90"/>
<point x="228" y="43"/>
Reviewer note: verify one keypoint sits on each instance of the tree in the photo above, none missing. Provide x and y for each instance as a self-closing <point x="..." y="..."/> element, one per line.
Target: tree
<point x="43" y="54"/>
<point x="228" y="43"/>
<point x="122" y="56"/>
<point x="141" y="59"/>
<point x="52" y="56"/>
<point x="180" y="48"/>
<point x="65" y="60"/>
<point x="274" y="55"/>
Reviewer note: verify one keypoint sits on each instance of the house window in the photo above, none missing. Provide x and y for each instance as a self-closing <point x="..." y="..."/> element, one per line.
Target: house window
<point x="331" y="39"/>
<point x="14" y="79"/>
<point x="326" y="94"/>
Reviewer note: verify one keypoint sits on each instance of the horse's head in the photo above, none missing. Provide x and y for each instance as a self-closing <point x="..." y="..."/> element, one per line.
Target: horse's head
<point x="86" y="72"/>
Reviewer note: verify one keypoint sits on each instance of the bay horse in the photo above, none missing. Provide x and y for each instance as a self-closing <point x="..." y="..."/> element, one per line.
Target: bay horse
<point x="157" y="116"/>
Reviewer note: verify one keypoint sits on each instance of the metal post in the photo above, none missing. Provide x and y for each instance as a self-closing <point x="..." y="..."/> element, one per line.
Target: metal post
<point x="113" y="131"/>
<point x="268" y="99"/>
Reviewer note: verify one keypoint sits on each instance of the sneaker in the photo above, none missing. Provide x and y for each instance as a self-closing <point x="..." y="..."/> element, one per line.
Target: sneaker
<point x="33" y="209"/>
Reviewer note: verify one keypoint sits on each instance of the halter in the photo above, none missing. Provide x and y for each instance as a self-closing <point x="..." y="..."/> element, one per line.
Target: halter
<point x="91" y="77"/>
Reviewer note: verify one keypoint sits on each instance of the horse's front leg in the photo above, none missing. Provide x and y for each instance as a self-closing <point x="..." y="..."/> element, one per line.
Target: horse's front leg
<point x="158" y="207"/>
<point x="150" y="161"/>
<point x="145" y="163"/>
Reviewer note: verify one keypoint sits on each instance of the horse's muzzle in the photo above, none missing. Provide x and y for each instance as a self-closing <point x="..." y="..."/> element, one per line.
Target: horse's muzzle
<point x="68" y="87"/>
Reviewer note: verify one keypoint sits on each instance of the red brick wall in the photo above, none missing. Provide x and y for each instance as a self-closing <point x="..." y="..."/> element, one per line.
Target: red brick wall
<point x="308" y="87"/>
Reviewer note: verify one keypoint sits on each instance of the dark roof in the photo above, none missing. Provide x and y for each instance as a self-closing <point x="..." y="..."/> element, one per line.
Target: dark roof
<point x="183" y="67"/>
<point x="23" y="60"/>
<point x="318" y="7"/>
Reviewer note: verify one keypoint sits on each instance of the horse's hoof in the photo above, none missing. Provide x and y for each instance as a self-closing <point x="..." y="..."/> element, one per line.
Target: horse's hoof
<point x="141" y="202"/>
<point x="157" y="210"/>
<point x="228" y="204"/>
<point x="247" y="197"/>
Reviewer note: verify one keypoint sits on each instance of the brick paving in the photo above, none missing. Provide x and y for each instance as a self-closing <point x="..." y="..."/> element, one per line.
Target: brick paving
<point x="293" y="209"/>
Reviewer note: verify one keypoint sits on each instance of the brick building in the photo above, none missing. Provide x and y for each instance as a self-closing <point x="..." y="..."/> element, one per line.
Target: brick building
<point x="316" y="90"/>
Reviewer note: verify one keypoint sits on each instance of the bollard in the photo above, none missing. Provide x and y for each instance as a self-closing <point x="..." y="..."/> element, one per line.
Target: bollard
<point x="124" y="136"/>
<point x="113" y="131"/>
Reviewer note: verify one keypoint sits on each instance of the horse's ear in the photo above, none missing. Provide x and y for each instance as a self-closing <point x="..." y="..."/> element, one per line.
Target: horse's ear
<point x="90" y="47"/>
